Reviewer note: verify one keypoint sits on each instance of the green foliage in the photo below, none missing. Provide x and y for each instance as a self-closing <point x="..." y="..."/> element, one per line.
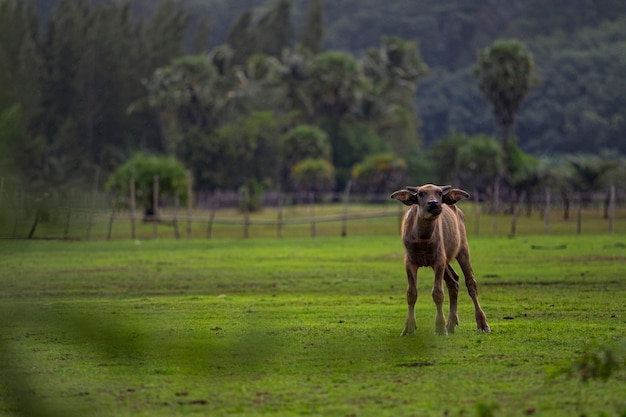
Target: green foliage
<point x="597" y="362"/>
<point x="379" y="173"/>
<point x="352" y="141"/>
<point x="13" y="136"/>
<point x="487" y="409"/>
<point x="505" y="73"/>
<point x="588" y="171"/>
<point x="237" y="153"/>
<point x="142" y="169"/>
<point x="467" y="161"/>
<point x="392" y="72"/>
<point x="335" y="81"/>
<point x="305" y="141"/>
<point x="77" y="67"/>
<point x="522" y="169"/>
<point x="313" y="175"/>
<point x="268" y="34"/>
<point x="312" y="37"/>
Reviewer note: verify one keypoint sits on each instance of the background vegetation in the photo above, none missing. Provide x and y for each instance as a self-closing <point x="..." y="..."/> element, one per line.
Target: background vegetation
<point x="85" y="85"/>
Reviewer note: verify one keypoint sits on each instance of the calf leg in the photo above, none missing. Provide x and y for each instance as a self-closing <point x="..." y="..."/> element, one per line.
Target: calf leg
<point x="438" y="296"/>
<point x="452" y="282"/>
<point x="472" y="289"/>
<point x="411" y="298"/>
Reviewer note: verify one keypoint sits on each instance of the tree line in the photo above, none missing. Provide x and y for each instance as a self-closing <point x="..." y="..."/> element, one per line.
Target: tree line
<point x="93" y="85"/>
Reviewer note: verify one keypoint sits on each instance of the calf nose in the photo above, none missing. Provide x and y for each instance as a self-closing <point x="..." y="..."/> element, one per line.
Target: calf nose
<point x="433" y="207"/>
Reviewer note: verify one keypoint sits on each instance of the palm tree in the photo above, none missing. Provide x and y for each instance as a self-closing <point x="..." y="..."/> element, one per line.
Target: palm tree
<point x="506" y="73"/>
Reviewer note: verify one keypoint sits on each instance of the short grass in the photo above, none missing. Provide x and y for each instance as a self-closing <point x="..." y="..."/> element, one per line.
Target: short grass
<point x="301" y="326"/>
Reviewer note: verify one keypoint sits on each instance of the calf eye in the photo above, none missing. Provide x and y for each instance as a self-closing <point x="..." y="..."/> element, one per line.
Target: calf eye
<point x="440" y="193"/>
<point x="420" y="194"/>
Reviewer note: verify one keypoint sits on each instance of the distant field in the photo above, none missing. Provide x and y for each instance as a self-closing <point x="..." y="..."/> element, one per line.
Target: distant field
<point x="301" y="326"/>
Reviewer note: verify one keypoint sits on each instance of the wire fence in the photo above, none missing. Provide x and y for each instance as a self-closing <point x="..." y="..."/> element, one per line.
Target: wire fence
<point x="76" y="215"/>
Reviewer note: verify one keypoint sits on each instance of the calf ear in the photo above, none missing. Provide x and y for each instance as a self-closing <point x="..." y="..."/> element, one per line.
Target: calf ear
<point x="405" y="197"/>
<point x="453" y="196"/>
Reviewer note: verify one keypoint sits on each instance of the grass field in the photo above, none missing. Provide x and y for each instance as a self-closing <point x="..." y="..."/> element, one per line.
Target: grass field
<point x="301" y="326"/>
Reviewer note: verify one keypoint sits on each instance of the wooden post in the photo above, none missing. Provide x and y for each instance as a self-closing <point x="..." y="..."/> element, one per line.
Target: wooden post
<point x="215" y="203"/>
<point x="496" y="204"/>
<point x="189" y="203"/>
<point x="611" y="209"/>
<point x="110" y="229"/>
<point x="17" y="210"/>
<point x="66" y="230"/>
<point x="175" y="220"/>
<point x="579" y="217"/>
<point x="346" y="204"/>
<point x="279" y="216"/>
<point x="517" y="213"/>
<point x="133" y="234"/>
<point x="155" y="207"/>
<point x="246" y="213"/>
<point x="312" y="213"/>
<point x="546" y="212"/>
<point x="92" y="209"/>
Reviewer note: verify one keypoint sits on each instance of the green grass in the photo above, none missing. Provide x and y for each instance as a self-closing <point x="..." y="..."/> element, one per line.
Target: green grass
<point x="303" y="326"/>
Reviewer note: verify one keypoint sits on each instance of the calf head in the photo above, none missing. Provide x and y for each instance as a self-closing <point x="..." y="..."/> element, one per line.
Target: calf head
<point x="430" y="197"/>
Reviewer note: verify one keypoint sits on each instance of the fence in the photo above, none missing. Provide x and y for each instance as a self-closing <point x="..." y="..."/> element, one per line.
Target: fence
<point x="84" y="216"/>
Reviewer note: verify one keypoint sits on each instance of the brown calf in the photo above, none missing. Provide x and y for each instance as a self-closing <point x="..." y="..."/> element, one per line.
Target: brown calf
<point x="433" y="233"/>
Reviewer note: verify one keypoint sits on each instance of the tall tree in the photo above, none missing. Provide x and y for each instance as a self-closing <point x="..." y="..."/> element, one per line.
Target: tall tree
<point x="505" y="73"/>
<point x="164" y="33"/>
<point x="263" y="31"/>
<point x="312" y="37"/>
<point x="392" y="71"/>
<point x="201" y="37"/>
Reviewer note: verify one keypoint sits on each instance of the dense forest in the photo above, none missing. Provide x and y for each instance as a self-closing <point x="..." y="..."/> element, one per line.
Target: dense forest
<point x="304" y="93"/>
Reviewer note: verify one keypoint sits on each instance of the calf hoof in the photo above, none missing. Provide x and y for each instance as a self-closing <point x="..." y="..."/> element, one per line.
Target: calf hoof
<point x="484" y="329"/>
<point x="409" y="326"/>
<point x="452" y="324"/>
<point x="407" y="332"/>
<point x="440" y="332"/>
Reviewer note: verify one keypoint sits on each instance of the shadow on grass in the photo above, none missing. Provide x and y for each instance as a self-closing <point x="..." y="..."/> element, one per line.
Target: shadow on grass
<point x="33" y="336"/>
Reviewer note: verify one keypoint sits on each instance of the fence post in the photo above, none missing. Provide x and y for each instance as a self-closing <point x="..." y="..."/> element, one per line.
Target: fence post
<point x="155" y="207"/>
<point x="579" y="215"/>
<point x="175" y="220"/>
<point x="215" y="202"/>
<point x="312" y="212"/>
<point x="517" y="212"/>
<point x="110" y="229"/>
<point x="189" y="203"/>
<point x="66" y="231"/>
<point x="246" y="213"/>
<point x="93" y="204"/>
<point x="546" y="212"/>
<point x="346" y="204"/>
<point x="611" y="209"/>
<point x="496" y="204"/>
<point x="133" y="234"/>
<point x="279" y="216"/>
